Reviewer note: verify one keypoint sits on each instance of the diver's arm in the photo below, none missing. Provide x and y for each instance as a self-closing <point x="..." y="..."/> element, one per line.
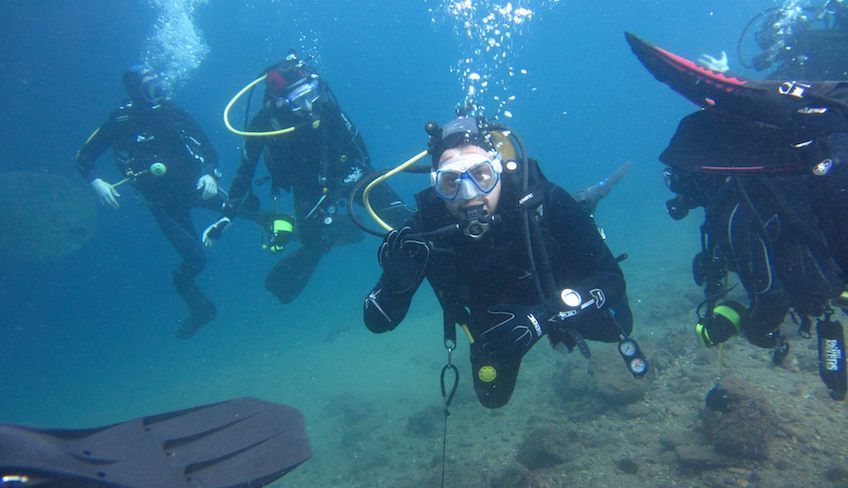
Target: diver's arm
<point x="404" y="259"/>
<point x="202" y="142"/>
<point x="98" y="142"/>
<point x="578" y="236"/>
<point x="243" y="179"/>
<point x="383" y="309"/>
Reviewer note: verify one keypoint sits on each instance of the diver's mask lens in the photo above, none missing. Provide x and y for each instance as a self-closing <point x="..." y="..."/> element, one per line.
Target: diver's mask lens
<point x="152" y="89"/>
<point x="304" y="96"/>
<point x="466" y="177"/>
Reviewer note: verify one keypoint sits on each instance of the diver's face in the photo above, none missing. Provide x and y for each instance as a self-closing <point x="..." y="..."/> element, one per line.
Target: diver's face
<point x="459" y="206"/>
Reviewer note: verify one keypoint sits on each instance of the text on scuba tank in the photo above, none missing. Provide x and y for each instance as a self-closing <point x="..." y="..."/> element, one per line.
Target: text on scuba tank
<point x="832" y="355"/>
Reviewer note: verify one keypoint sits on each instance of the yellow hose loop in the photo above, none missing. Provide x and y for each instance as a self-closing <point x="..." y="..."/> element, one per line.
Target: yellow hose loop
<point x="367" y="192"/>
<point x="248" y="133"/>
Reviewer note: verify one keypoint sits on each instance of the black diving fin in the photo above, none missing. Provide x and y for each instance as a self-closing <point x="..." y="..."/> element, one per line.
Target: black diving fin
<point x="290" y="276"/>
<point x="243" y="442"/>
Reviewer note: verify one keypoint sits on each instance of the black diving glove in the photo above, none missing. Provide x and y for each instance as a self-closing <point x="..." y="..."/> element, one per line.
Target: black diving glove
<point x="404" y="261"/>
<point x="516" y="328"/>
<point x="722" y="323"/>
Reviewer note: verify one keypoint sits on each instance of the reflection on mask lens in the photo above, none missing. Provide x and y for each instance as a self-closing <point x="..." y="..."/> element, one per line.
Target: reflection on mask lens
<point x="304" y="96"/>
<point x="478" y="179"/>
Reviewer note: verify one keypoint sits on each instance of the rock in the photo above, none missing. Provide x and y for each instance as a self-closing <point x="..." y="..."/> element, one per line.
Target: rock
<point x="613" y="382"/>
<point x="740" y="424"/>
<point x="544" y="448"/>
<point x="661" y="360"/>
<point x="45" y="216"/>
<point x="627" y="465"/>
<point x="697" y="458"/>
<point x="837" y="475"/>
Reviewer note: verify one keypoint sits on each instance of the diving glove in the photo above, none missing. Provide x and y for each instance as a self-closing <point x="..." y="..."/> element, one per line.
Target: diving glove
<point x="719" y="64"/>
<point x="106" y="193"/>
<point x="404" y="261"/>
<point x="516" y="328"/>
<point x="214" y="231"/>
<point x="721" y="323"/>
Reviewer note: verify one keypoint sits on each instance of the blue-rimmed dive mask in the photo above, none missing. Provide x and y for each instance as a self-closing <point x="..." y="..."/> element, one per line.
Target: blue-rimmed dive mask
<point x="303" y="96"/>
<point x="466" y="177"/>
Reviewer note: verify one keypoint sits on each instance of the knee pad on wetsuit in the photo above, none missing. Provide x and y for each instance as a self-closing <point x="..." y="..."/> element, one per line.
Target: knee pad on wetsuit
<point x="494" y="381"/>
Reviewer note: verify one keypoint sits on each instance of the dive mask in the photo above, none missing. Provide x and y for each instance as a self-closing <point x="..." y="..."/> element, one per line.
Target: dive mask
<point x="466" y="177"/>
<point x="304" y="95"/>
<point x="153" y="89"/>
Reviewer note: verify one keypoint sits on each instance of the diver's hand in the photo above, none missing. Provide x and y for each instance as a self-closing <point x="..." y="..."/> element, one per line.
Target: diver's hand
<point x="107" y="193"/>
<point x="209" y="186"/>
<point x="404" y="261"/>
<point x="214" y="231"/>
<point x="516" y="328"/>
<point x="715" y="64"/>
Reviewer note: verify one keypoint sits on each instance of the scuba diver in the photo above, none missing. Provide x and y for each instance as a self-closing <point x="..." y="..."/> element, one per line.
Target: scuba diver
<point x="313" y="150"/>
<point x="167" y="157"/>
<point x="511" y="257"/>
<point x="807" y="42"/>
<point x="768" y="162"/>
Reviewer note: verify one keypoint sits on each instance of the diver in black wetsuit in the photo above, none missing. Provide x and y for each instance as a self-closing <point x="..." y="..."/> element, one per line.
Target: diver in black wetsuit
<point x="167" y="157"/>
<point x="778" y="219"/>
<point x="804" y="43"/>
<point x="768" y="161"/>
<point x="319" y="160"/>
<point x="766" y="230"/>
<point x="480" y="269"/>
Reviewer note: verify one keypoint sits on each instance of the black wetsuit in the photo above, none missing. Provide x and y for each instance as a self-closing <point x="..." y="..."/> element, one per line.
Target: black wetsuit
<point x="320" y="162"/>
<point x="774" y="192"/>
<point x="470" y="276"/>
<point x="765" y="229"/>
<point x="827" y="157"/>
<point x="140" y="135"/>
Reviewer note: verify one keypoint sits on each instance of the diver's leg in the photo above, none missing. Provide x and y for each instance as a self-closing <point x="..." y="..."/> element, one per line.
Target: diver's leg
<point x="177" y="227"/>
<point x="289" y="277"/>
<point x="494" y="381"/>
<point x="756" y="269"/>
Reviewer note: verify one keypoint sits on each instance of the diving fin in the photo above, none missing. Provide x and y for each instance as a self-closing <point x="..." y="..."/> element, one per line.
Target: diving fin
<point x="290" y="276"/>
<point x="766" y="101"/>
<point x="593" y="194"/>
<point x="244" y="442"/>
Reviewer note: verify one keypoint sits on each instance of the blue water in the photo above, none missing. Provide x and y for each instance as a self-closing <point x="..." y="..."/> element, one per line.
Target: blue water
<point x="89" y="339"/>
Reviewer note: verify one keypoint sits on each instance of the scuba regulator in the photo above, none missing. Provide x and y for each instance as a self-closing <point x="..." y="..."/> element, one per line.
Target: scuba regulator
<point x="477" y="222"/>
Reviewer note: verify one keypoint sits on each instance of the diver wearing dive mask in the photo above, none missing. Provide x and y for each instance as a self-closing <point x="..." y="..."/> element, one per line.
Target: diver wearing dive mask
<point x="469" y="238"/>
<point x="314" y="151"/>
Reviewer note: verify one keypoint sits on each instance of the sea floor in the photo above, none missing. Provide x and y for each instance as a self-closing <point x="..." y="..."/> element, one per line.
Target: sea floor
<point x="375" y="414"/>
<point x="571" y="422"/>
